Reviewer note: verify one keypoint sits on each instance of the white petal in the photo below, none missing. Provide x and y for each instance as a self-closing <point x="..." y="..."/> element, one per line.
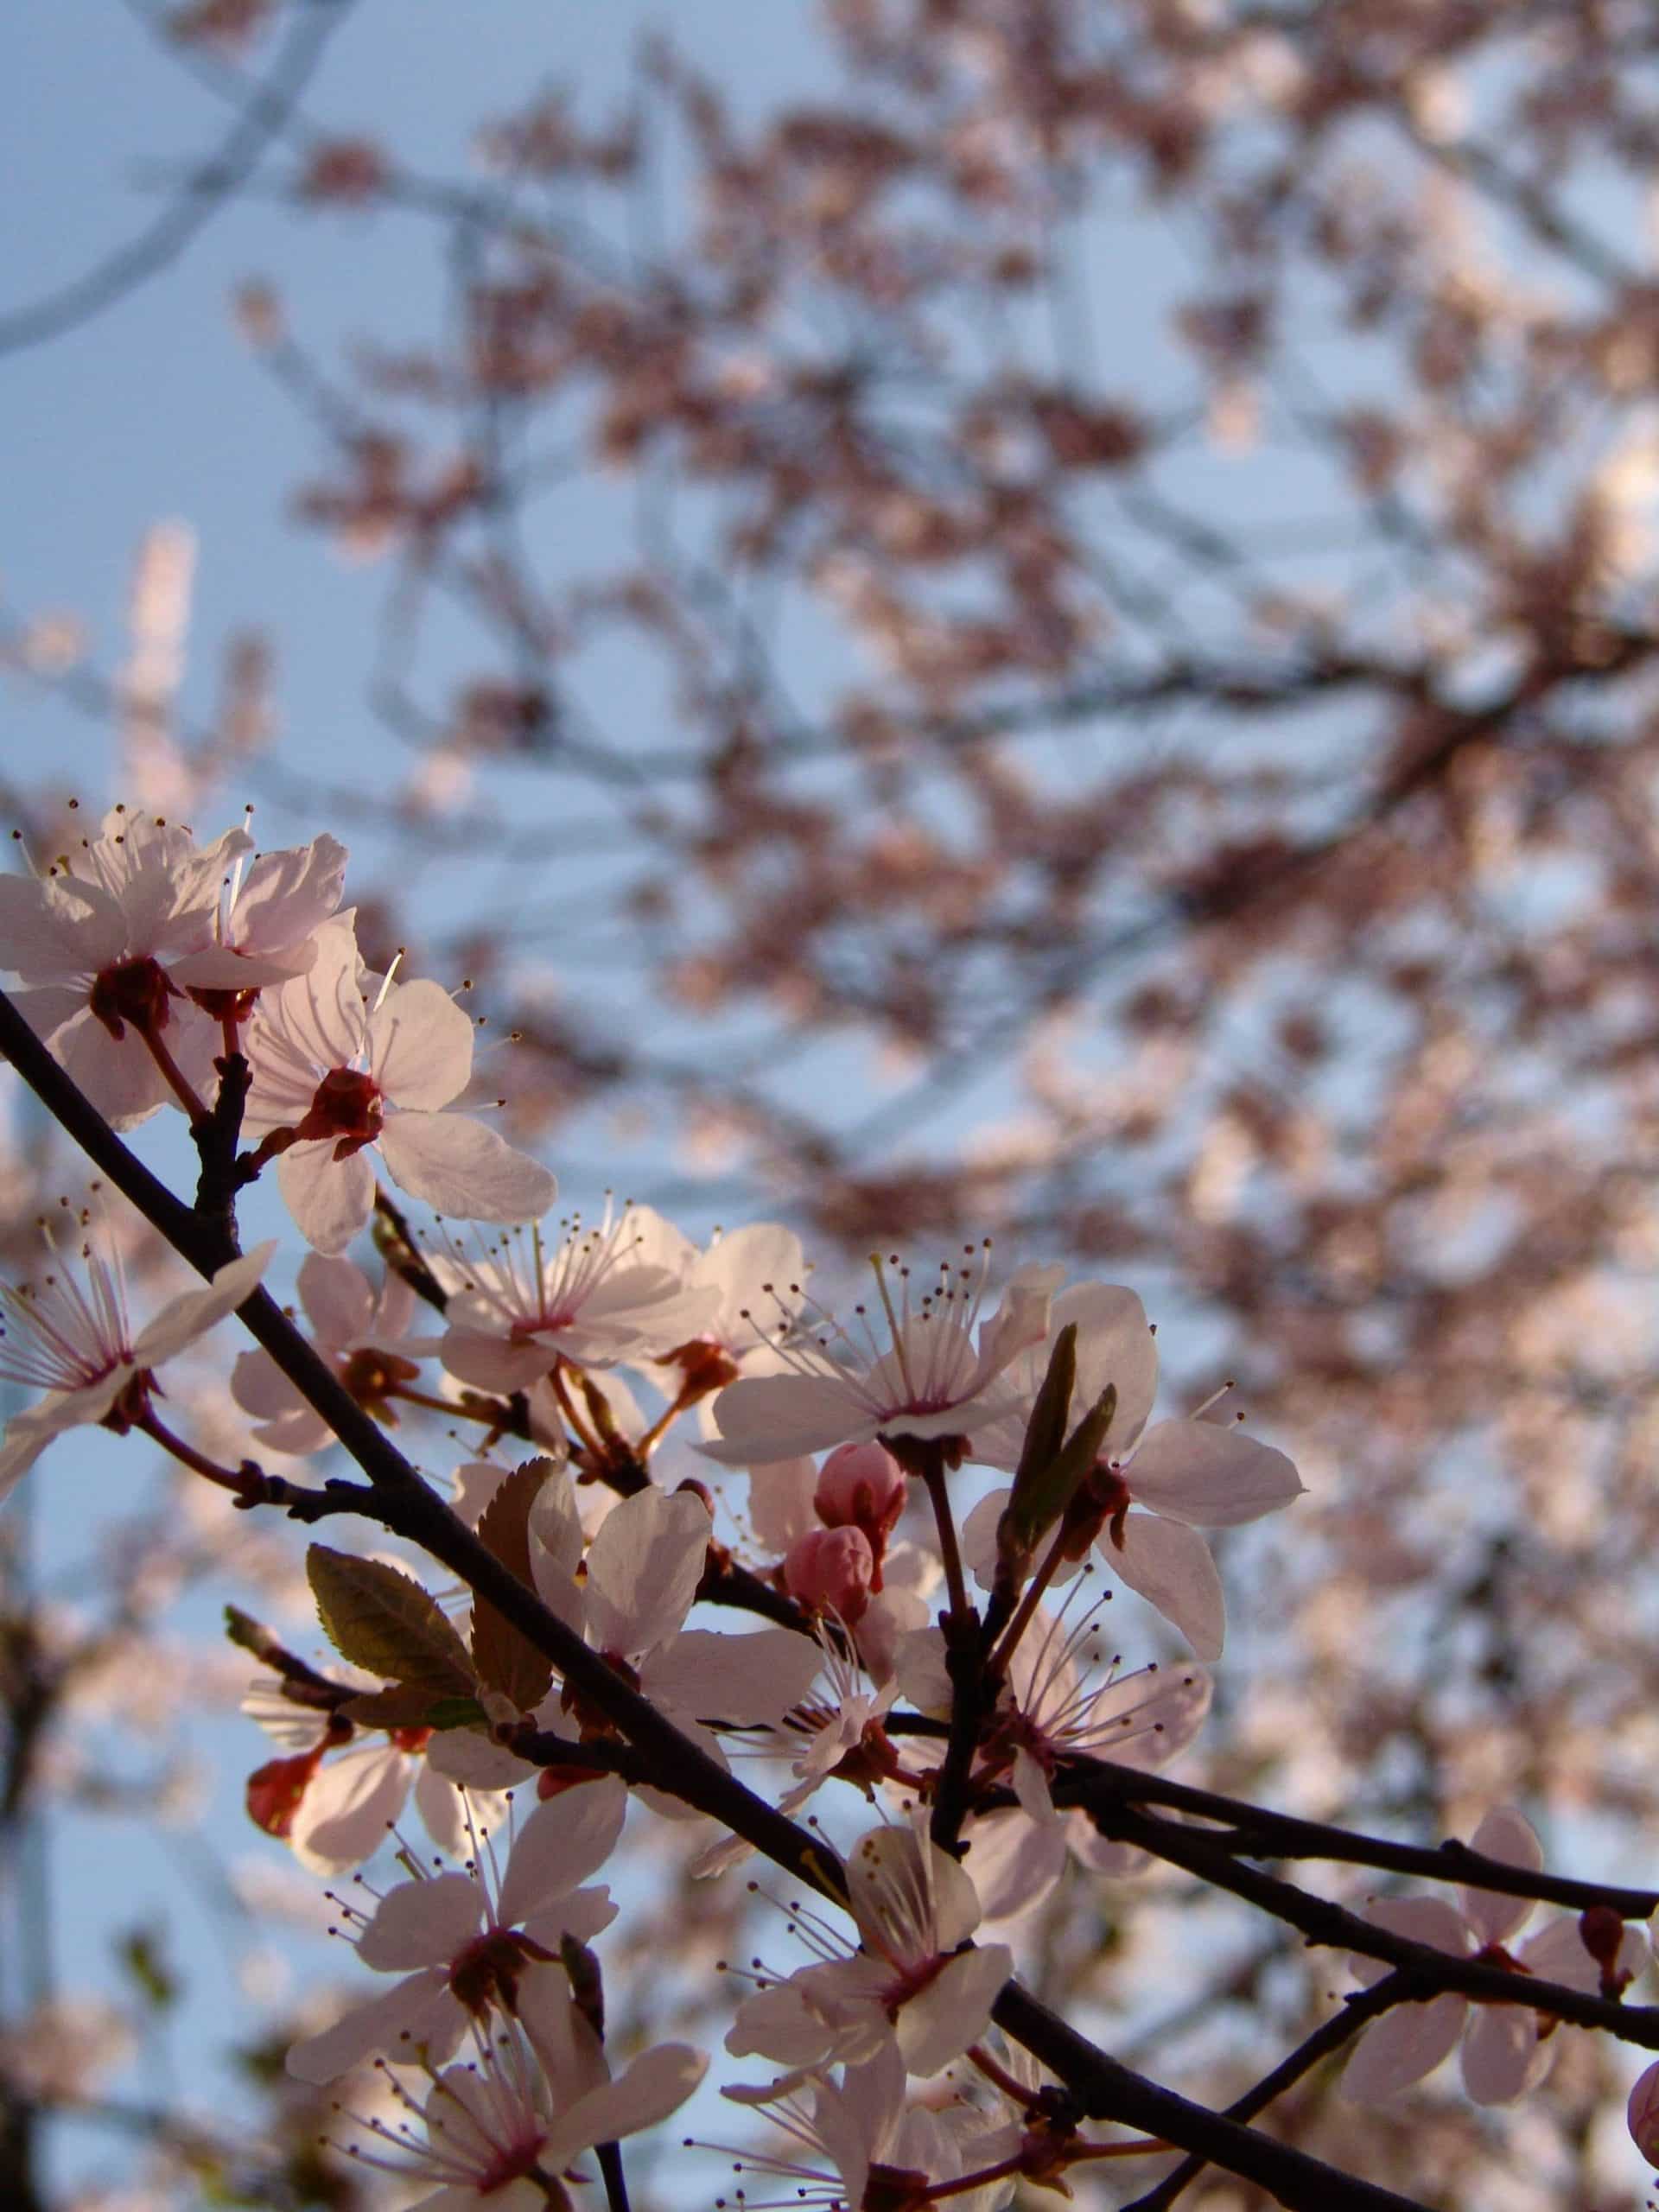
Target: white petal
<point x="420" y="1047"/>
<point x="780" y="1501"/>
<point x="419" y="2013"/>
<point x="954" y="2010"/>
<point x="457" y="1166"/>
<point x="1013" y="1862"/>
<point x="1506" y="1834"/>
<point x="1402" y="2047"/>
<point x="330" y="1200"/>
<point x="978" y="1538"/>
<point x="658" y="2082"/>
<point x="1501" y="2057"/>
<point x="1116" y="1346"/>
<point x="348" y="1810"/>
<point x="1210" y="1475"/>
<point x="470" y="1761"/>
<point x="195" y="1312"/>
<point x="421" y="1923"/>
<point x="1171" y="1569"/>
<point x="643" y="1570"/>
<point x="743" y="1679"/>
<point x="561" y="1843"/>
<point x="338" y="1298"/>
<point x="763" y="1417"/>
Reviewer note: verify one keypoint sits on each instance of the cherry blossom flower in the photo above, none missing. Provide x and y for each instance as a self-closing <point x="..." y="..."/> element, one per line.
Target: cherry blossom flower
<point x="1504" y="2053"/>
<point x="1048" y="1711"/>
<point x="598" y="1295"/>
<point x="911" y="1977"/>
<point x="504" y="2131"/>
<point x="743" y="1274"/>
<point x="462" y="1941"/>
<point x="922" y="1375"/>
<point x="76" y="1343"/>
<point x="265" y="918"/>
<point x="338" y="1790"/>
<point x="1184" y="1475"/>
<point x="362" y="1334"/>
<point x="92" y="940"/>
<point x="341" y="1077"/>
<point x="856" y="2145"/>
<point x="643" y="1568"/>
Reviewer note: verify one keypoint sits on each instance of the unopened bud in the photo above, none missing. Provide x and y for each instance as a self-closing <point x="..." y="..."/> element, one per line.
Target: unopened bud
<point x="862" y="1486"/>
<point x="1641" y="2114"/>
<point x="832" y="1569"/>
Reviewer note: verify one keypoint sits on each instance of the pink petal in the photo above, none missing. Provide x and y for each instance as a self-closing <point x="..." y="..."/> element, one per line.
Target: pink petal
<point x="763" y="1417"/>
<point x="1506" y="1834"/>
<point x="1429" y="1921"/>
<point x="348" y="1810"/>
<point x="119" y="1077"/>
<point x="338" y="1299"/>
<point x="954" y="2010"/>
<point x="1402" y="2047"/>
<point x="330" y="1200"/>
<point x="195" y="1312"/>
<point x="420" y="1047"/>
<point x="780" y="1501"/>
<point x="746" y="1679"/>
<point x="978" y="1536"/>
<point x="1114" y="1346"/>
<point x="421" y="1923"/>
<point x="457" y="1166"/>
<point x="1210" y="1475"/>
<point x="643" y="1570"/>
<point x="1014" y="1862"/>
<point x="418" y="2013"/>
<point x="1171" y="1569"/>
<point x="561" y="1843"/>
<point x="658" y="2082"/>
<point x="1501" y="2057"/>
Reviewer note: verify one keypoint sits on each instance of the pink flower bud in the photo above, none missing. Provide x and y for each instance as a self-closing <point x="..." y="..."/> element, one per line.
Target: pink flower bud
<point x="1642" y="2115"/>
<point x="862" y="1486"/>
<point x="832" y="1569"/>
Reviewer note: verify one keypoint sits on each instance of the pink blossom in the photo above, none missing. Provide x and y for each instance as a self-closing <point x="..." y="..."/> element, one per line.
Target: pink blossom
<point x="832" y="1570"/>
<point x="93" y="939"/>
<point x="266" y="917"/>
<point x="1048" y="1711"/>
<point x="462" y="1941"/>
<point x="358" y="1330"/>
<point x="921" y="1374"/>
<point x="1183" y="1475"/>
<point x="77" y="1343"/>
<point x="345" y="1077"/>
<point x="593" y="1297"/>
<point x="539" y="2093"/>
<point x="1502" y="2053"/>
<point x="855" y="2143"/>
<point x="911" y="1978"/>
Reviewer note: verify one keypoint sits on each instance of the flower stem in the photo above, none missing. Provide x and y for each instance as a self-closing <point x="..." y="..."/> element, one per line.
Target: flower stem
<point x="152" y="1425"/>
<point x="997" y="1663"/>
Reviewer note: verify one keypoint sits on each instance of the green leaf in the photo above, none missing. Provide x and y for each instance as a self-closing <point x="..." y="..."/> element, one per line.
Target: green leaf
<point x="506" y="1658"/>
<point x="381" y="1619"/>
<point x="1051" y="1489"/>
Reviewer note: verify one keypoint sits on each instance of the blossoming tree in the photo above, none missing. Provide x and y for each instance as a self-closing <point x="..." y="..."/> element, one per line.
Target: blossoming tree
<point x="1127" y="533"/>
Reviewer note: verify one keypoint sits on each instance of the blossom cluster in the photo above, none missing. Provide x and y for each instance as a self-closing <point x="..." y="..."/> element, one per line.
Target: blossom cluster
<point x="162" y="973"/>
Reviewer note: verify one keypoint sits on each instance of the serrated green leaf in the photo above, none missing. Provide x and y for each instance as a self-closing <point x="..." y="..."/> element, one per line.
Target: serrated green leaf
<point x="383" y="1620"/>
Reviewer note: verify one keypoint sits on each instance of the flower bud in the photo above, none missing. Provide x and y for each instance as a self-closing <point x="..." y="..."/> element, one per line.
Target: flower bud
<point x="862" y="1486"/>
<point x="833" y="1569"/>
<point x="1641" y="2114"/>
